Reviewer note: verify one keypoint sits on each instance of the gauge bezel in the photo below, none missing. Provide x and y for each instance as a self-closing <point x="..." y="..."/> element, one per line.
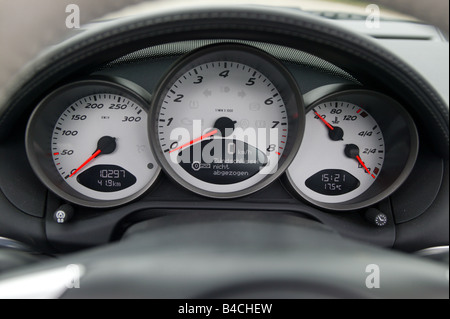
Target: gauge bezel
<point x="41" y="124"/>
<point x="397" y="165"/>
<point x="260" y="61"/>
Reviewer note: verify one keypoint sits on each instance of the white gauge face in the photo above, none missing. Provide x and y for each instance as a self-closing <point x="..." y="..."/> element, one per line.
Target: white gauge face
<point x="100" y="147"/>
<point x="222" y="126"/>
<point x="341" y="156"/>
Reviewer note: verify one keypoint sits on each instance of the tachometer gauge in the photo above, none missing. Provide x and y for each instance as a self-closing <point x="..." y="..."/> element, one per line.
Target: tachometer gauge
<point x="226" y="121"/>
<point x="358" y="147"/>
<point x="88" y="143"/>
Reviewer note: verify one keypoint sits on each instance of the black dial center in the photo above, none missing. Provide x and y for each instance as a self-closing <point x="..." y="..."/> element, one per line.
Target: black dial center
<point x="336" y="134"/>
<point x="107" y="145"/>
<point x="351" y="150"/>
<point x="225" y="126"/>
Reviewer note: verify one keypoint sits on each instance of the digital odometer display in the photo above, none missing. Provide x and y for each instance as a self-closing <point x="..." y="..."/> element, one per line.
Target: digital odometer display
<point x="106" y="178"/>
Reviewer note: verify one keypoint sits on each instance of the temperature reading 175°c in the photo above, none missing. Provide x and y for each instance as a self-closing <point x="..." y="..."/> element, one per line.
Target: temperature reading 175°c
<point x="350" y="156"/>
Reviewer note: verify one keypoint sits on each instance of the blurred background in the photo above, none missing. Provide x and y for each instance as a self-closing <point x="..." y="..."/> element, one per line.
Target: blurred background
<point x="26" y="26"/>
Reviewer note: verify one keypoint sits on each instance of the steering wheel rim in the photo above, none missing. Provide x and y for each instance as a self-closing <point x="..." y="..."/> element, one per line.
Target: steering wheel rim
<point x="222" y="255"/>
<point x="359" y="54"/>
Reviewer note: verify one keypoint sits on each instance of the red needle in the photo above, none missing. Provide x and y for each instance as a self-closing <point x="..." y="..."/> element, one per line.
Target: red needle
<point x="364" y="165"/>
<point x="195" y="141"/>
<point x="323" y="120"/>
<point x="87" y="161"/>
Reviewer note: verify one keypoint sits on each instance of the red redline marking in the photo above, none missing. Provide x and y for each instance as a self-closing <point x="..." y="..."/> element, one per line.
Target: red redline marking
<point x="323" y="120"/>
<point x="278" y="153"/>
<point x="195" y="141"/>
<point x="55" y="154"/>
<point x="358" y="111"/>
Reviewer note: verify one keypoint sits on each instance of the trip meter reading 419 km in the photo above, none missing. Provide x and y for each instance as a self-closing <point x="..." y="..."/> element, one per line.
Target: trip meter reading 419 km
<point x="226" y="121"/>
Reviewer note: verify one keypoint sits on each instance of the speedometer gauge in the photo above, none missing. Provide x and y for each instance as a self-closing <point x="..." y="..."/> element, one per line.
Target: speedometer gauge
<point x="88" y="142"/>
<point x="226" y="121"/>
<point x="359" y="146"/>
<point x="100" y="148"/>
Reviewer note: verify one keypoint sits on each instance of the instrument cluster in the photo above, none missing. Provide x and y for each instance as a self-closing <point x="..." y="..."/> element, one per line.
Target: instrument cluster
<point x="226" y="121"/>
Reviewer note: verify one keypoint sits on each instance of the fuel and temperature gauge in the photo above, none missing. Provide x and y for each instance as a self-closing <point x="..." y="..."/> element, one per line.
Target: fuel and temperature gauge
<point x="358" y="147"/>
<point x="348" y="156"/>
